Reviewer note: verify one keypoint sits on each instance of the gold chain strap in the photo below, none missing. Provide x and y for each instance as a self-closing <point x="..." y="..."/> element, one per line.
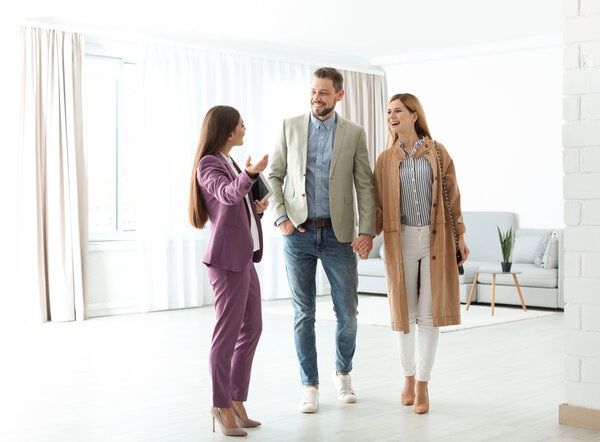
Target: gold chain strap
<point x="437" y="151"/>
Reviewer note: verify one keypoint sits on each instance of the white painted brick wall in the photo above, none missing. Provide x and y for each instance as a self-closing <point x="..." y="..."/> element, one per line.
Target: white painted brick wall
<point x="590" y="160"/>
<point x="582" y="394"/>
<point x="573" y="369"/>
<point x="589" y="320"/>
<point x="572" y="211"/>
<point x="590" y="371"/>
<point x="581" y="81"/>
<point x="571" y="108"/>
<point x="571" y="161"/>
<point x="590" y="107"/>
<point x="573" y="318"/>
<point x="590" y="213"/>
<point x="582" y="133"/>
<point x="570" y="8"/>
<point x="581" y="191"/>
<point x="571" y="56"/>
<point x="582" y="343"/>
<point x="589" y="55"/>
<point x="572" y="269"/>
<point x="582" y="29"/>
<point x="590" y="7"/>
<point x="584" y="238"/>
<point x="581" y="186"/>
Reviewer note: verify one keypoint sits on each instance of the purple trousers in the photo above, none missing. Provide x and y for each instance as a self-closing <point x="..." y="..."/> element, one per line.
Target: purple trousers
<point x="237" y="331"/>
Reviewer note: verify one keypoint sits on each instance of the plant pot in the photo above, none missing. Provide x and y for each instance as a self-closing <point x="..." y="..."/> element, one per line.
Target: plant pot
<point x="506" y="266"/>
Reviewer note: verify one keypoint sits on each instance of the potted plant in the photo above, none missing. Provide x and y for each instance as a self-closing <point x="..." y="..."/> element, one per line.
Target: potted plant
<point x="506" y="243"/>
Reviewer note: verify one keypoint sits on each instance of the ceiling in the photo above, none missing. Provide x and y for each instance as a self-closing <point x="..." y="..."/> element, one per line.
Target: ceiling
<point x="355" y="32"/>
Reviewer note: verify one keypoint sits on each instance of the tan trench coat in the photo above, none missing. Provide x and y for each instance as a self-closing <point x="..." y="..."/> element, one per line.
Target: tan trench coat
<point x="444" y="271"/>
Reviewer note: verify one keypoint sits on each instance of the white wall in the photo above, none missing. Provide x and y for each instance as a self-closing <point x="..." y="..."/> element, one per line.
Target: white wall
<point x="581" y="138"/>
<point x="499" y="114"/>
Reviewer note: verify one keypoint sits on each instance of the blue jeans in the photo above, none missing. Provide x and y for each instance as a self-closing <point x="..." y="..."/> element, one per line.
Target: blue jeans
<point x="302" y="250"/>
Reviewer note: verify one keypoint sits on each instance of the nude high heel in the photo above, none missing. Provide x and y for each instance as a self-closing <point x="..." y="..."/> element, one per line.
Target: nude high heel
<point x="244" y="423"/>
<point x="227" y="431"/>
<point x="421" y="405"/>
<point x="408" y="391"/>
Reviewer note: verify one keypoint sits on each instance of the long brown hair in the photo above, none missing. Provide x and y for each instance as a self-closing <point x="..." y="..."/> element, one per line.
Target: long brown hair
<point x="219" y="123"/>
<point x="413" y="104"/>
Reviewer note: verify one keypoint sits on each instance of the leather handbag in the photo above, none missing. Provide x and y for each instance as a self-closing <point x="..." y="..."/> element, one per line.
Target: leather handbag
<point x="461" y="270"/>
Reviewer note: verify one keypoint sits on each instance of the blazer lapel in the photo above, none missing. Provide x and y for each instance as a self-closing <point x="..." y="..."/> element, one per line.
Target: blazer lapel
<point x="338" y="142"/>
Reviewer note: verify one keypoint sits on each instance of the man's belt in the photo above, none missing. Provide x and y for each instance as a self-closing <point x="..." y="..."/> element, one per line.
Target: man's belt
<point x="316" y="222"/>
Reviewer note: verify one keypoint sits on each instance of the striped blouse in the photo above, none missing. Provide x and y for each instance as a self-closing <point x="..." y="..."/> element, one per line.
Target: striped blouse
<point x="416" y="179"/>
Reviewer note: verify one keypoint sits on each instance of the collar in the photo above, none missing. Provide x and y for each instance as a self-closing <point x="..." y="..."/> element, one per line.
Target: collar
<point x="415" y="147"/>
<point x="328" y="123"/>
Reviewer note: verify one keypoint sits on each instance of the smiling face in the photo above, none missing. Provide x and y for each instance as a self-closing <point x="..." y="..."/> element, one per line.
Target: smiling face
<point x="400" y="120"/>
<point x="323" y="98"/>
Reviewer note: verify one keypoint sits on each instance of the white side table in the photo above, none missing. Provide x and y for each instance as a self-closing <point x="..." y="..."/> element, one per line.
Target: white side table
<point x="494" y="273"/>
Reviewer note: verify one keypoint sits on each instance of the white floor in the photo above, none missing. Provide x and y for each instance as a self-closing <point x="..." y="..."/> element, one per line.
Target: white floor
<point x="145" y="378"/>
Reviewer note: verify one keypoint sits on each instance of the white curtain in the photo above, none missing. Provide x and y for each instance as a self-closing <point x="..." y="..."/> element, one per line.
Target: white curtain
<point x="179" y="85"/>
<point x="365" y="102"/>
<point x="52" y="212"/>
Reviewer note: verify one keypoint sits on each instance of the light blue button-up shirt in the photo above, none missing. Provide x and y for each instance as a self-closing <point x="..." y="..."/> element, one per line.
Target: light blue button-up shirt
<point x="320" y="149"/>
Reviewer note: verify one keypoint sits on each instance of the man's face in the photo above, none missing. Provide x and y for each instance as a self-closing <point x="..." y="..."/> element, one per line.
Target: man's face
<point x="323" y="98"/>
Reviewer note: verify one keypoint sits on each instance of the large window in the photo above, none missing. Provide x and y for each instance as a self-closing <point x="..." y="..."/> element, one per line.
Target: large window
<point x="110" y="124"/>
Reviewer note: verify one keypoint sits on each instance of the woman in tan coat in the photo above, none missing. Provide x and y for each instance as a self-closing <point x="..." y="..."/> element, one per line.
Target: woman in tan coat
<point x="419" y="244"/>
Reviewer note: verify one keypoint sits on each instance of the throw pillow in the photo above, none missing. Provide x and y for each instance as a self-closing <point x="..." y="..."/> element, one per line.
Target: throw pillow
<point x="525" y="247"/>
<point x="541" y="249"/>
<point x="381" y="252"/>
<point x="551" y="253"/>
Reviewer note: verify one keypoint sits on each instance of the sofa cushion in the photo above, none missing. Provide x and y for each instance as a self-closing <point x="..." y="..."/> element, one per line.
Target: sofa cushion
<point x="525" y="247"/>
<point x="381" y="252"/>
<point x="371" y="267"/>
<point x="541" y="249"/>
<point x="550" y="260"/>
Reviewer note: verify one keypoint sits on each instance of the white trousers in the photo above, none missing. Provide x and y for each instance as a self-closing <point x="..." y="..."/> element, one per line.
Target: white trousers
<point x="422" y="335"/>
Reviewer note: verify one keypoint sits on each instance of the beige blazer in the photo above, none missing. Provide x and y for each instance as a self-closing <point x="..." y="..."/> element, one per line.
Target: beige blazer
<point x="351" y="188"/>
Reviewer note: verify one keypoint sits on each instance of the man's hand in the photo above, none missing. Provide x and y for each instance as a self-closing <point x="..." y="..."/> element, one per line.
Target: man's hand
<point x="287" y="227"/>
<point x="363" y="245"/>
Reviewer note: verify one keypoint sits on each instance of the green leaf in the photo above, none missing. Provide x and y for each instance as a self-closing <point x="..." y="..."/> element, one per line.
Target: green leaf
<point x="506" y="243"/>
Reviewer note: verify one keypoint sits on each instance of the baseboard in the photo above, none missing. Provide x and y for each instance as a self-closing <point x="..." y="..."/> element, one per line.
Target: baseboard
<point x="579" y="416"/>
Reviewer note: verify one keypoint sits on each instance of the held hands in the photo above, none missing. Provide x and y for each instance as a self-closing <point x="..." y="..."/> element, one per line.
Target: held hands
<point x="255" y="169"/>
<point x="363" y="245"/>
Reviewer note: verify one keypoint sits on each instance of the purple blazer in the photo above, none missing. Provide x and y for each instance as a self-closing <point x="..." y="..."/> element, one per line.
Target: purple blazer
<point x="230" y="245"/>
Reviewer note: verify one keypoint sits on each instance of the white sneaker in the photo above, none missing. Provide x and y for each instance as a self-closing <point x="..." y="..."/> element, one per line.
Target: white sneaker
<point x="310" y="401"/>
<point x="343" y="386"/>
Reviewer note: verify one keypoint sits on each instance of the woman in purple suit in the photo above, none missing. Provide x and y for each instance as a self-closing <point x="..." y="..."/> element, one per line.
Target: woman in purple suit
<point x="223" y="194"/>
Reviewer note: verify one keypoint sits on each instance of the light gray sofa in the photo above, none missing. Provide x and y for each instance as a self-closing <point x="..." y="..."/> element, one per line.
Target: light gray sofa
<point x="537" y="255"/>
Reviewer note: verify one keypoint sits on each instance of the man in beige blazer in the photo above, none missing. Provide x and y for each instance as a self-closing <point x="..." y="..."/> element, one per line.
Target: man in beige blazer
<point x="321" y="180"/>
